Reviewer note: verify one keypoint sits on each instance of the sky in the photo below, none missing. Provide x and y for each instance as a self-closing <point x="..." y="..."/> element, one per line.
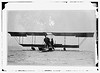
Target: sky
<point x="53" y="21"/>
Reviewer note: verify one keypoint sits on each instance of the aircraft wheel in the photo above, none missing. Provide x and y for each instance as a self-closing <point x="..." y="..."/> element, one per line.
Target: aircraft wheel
<point x="40" y="48"/>
<point x="50" y="49"/>
<point x="32" y="48"/>
<point x="64" y="49"/>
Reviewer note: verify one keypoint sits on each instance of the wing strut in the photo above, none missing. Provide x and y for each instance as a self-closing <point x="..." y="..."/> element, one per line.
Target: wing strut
<point x="32" y="39"/>
<point x="82" y="41"/>
<point x="64" y="42"/>
<point x="78" y="40"/>
<point x="19" y="40"/>
<point x="22" y="39"/>
<point x="16" y="39"/>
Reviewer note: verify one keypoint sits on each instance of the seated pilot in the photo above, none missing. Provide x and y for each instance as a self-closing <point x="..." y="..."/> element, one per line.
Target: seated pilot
<point x="47" y="41"/>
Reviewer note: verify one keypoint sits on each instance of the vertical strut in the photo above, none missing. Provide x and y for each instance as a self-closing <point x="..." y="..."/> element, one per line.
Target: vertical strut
<point x="22" y="40"/>
<point x="19" y="39"/>
<point x="78" y="41"/>
<point x="32" y="39"/>
<point x="64" y="42"/>
<point x="32" y="47"/>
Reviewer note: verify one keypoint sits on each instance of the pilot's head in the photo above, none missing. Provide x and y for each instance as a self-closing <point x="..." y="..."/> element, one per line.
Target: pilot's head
<point x="45" y="35"/>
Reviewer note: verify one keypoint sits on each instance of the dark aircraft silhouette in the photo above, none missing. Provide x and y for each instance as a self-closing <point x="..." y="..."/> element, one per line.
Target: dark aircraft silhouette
<point x="50" y="45"/>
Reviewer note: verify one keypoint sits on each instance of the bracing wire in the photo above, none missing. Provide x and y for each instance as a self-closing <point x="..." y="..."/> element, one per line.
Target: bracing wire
<point x="16" y="39"/>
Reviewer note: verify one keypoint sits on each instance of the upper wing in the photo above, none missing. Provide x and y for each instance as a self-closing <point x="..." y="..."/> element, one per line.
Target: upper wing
<point x="76" y="34"/>
<point x="17" y="33"/>
<point x="27" y="33"/>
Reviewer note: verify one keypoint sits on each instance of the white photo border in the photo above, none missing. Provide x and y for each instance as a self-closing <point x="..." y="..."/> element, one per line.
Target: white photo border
<point x="36" y="6"/>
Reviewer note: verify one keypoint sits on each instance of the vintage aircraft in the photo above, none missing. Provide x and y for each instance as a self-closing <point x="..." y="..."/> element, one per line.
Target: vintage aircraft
<point x="43" y="47"/>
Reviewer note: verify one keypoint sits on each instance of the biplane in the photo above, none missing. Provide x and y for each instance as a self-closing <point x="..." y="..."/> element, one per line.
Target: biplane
<point x="43" y="47"/>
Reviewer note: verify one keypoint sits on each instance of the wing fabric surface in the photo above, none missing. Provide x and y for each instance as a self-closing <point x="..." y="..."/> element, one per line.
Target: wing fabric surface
<point x="76" y="34"/>
<point x="27" y="33"/>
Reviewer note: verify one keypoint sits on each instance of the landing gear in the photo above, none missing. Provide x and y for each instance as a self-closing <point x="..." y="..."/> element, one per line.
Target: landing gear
<point x="50" y="49"/>
<point x="32" y="48"/>
<point x="40" y="48"/>
<point x="45" y="49"/>
<point x="64" y="49"/>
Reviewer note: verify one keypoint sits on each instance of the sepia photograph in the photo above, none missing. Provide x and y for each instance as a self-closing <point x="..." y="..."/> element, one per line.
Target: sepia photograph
<point x="51" y="37"/>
